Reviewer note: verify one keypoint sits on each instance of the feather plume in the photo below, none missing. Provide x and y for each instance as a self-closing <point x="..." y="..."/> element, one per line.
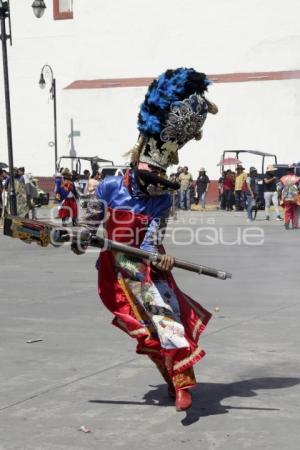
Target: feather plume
<point x="135" y="151"/>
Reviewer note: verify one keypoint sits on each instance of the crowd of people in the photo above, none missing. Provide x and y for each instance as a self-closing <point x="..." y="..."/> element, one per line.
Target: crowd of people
<point x="241" y="191"/>
<point x="69" y="184"/>
<point x="238" y="190"/>
<point x="190" y="192"/>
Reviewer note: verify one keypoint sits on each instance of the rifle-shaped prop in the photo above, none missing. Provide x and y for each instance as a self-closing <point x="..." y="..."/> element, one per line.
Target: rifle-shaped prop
<point x="45" y="233"/>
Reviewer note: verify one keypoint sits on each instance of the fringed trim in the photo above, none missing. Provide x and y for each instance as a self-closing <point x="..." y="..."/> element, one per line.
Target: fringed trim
<point x="199" y="327"/>
<point x="201" y="323"/>
<point x="133" y="333"/>
<point x="189" y="361"/>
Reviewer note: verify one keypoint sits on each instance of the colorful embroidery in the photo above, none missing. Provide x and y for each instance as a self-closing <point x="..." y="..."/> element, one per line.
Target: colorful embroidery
<point x="184" y="379"/>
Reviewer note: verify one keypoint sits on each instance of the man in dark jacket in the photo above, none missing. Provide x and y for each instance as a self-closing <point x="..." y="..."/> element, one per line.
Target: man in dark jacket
<point x="202" y="184"/>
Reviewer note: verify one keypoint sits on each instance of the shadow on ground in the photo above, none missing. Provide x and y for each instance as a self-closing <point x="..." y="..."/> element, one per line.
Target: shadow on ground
<point x="207" y="397"/>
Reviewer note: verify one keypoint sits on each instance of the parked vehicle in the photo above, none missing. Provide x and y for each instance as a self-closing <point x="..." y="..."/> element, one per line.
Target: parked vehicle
<point x="42" y="198"/>
<point x="80" y="163"/>
<point x="263" y="160"/>
<point x="281" y="169"/>
<point x="113" y="170"/>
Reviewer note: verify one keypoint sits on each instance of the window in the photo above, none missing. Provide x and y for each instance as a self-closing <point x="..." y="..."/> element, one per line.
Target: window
<point x="62" y="9"/>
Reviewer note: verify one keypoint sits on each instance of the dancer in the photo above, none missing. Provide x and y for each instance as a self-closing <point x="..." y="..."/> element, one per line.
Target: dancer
<point x="289" y="189"/>
<point x="144" y="299"/>
<point x="66" y="193"/>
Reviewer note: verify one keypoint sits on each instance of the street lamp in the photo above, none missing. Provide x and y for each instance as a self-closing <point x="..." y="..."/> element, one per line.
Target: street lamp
<point x="47" y="72"/>
<point x="38" y="7"/>
<point x="5" y="14"/>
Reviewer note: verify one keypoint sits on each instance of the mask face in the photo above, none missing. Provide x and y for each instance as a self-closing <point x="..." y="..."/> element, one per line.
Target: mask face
<point x="153" y="184"/>
<point x="154" y="191"/>
<point x="157" y="171"/>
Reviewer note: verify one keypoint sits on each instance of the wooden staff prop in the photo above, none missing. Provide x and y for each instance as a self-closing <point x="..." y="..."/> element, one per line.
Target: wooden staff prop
<point x="45" y="233"/>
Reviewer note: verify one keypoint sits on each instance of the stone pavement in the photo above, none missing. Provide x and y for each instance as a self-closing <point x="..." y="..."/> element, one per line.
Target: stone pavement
<point x="85" y="372"/>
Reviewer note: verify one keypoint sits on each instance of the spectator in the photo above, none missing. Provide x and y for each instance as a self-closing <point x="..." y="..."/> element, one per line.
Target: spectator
<point x="20" y="190"/>
<point x="202" y="184"/>
<point x="16" y="177"/>
<point x="75" y="176"/>
<point x="172" y="177"/>
<point x="270" y="191"/>
<point x="239" y="194"/>
<point x="4" y="174"/>
<point x="87" y="174"/>
<point x="251" y="190"/>
<point x="178" y="173"/>
<point x="31" y="191"/>
<point x="93" y="183"/>
<point x="3" y="196"/>
<point x="32" y="195"/>
<point x="228" y="189"/>
<point x="185" y="180"/>
<point x="3" y="177"/>
<point x="288" y="188"/>
<point x="221" y="197"/>
<point x="21" y="176"/>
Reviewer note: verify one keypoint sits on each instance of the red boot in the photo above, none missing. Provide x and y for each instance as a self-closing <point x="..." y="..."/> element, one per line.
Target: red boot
<point x="183" y="399"/>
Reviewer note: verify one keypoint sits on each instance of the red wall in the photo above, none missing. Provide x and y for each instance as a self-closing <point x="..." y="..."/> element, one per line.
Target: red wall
<point x="46" y="184"/>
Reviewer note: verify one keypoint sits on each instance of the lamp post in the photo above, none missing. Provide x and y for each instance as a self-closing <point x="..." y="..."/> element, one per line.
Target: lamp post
<point x="5" y="14"/>
<point x="38" y="9"/>
<point x="47" y="72"/>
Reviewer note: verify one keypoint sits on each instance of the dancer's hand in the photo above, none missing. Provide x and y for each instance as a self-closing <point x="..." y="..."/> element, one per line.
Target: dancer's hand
<point x="78" y="250"/>
<point x="166" y="263"/>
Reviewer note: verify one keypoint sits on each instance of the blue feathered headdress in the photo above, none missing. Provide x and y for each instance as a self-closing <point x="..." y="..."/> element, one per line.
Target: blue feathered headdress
<point x="172" y="113"/>
<point x="170" y="87"/>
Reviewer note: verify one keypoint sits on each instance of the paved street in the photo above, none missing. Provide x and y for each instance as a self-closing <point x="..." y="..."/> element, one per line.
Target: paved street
<point x="85" y="372"/>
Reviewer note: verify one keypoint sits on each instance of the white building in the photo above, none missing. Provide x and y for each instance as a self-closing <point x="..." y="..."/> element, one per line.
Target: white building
<point x="133" y="39"/>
